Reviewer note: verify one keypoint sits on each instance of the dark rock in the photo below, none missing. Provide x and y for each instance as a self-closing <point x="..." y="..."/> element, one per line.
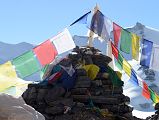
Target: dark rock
<point x="81" y="72"/>
<point x="54" y="93"/>
<point x="54" y="110"/>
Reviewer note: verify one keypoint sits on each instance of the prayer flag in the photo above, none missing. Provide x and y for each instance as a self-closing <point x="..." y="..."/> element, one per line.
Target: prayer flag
<point x="146" y="53"/>
<point x="145" y="91"/>
<point x="114" y="77"/>
<point x="133" y="78"/>
<point x="26" y="64"/>
<point x="117" y="33"/>
<point x="109" y="53"/>
<point x="101" y="25"/>
<point x="92" y="71"/>
<point x="153" y="96"/>
<point x="126" y="41"/>
<point x="120" y="60"/>
<point x="114" y="51"/>
<point x="155" y="57"/>
<point x="82" y="19"/>
<point x="126" y="67"/>
<point x="8" y="70"/>
<point x="63" y="42"/>
<point x="135" y="46"/>
<point x="45" y="52"/>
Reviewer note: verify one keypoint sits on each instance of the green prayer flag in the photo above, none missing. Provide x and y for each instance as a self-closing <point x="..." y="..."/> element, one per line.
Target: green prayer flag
<point x="120" y="60"/>
<point x="43" y="70"/>
<point x="126" y="41"/>
<point x="153" y="96"/>
<point x="26" y="64"/>
<point x="114" y="77"/>
<point x="118" y="65"/>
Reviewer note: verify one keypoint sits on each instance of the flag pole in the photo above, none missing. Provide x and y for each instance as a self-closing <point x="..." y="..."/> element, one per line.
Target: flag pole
<point x="91" y="33"/>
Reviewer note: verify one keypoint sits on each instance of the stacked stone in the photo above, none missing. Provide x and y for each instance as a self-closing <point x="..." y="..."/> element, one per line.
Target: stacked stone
<point x="53" y="101"/>
<point x="48" y="100"/>
<point x="102" y="91"/>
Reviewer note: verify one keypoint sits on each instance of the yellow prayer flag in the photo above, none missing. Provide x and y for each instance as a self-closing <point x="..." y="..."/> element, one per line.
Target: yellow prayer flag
<point x="126" y="67"/>
<point x="8" y="70"/>
<point x="6" y="82"/>
<point x="92" y="71"/>
<point x="135" y="46"/>
<point x="119" y="74"/>
<point x="7" y="76"/>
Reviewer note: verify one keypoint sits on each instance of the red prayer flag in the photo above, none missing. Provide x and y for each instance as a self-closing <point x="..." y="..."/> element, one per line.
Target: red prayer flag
<point x="145" y="91"/>
<point x="45" y="52"/>
<point x="114" y="51"/>
<point x="117" y="33"/>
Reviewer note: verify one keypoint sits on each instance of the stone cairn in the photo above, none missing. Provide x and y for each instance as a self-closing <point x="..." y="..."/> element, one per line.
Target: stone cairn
<point x="96" y="99"/>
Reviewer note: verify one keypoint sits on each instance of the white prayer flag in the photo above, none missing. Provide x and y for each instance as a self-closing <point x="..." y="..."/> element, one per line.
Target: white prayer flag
<point x="63" y="42"/>
<point x="154" y="59"/>
<point x="109" y="53"/>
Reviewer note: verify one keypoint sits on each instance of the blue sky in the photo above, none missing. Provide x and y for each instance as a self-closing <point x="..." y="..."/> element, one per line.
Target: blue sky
<point x="35" y="21"/>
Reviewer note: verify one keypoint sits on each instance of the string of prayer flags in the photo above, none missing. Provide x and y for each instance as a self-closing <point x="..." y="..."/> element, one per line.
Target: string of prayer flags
<point x="146" y="53"/>
<point x="135" y="46"/>
<point x="8" y="70"/>
<point x="63" y="42"/>
<point x="82" y="19"/>
<point x="126" y="41"/>
<point x="117" y="32"/>
<point x="155" y="56"/>
<point x="101" y="25"/>
<point x="26" y="64"/>
<point x="45" y="52"/>
<point x="145" y="90"/>
<point x="134" y="78"/>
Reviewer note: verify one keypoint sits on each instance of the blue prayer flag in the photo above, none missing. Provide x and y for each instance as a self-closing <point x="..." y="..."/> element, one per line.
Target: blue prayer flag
<point x="101" y="25"/>
<point x="133" y="78"/>
<point x="146" y="53"/>
<point x="82" y="19"/>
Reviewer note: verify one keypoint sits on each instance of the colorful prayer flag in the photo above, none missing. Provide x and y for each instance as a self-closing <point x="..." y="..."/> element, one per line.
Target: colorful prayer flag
<point x="82" y="19"/>
<point x="126" y="67"/>
<point x="120" y="59"/>
<point x="101" y="25"/>
<point x="26" y="64"/>
<point x="145" y="91"/>
<point x="154" y="64"/>
<point x="114" y="77"/>
<point x="8" y="70"/>
<point x="45" y="52"/>
<point x="114" y="51"/>
<point x="153" y="96"/>
<point x="135" y="46"/>
<point x="109" y="53"/>
<point x="146" y="53"/>
<point x="92" y="71"/>
<point x="63" y="42"/>
<point x="126" y="41"/>
<point x="117" y="33"/>
<point x="133" y="78"/>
